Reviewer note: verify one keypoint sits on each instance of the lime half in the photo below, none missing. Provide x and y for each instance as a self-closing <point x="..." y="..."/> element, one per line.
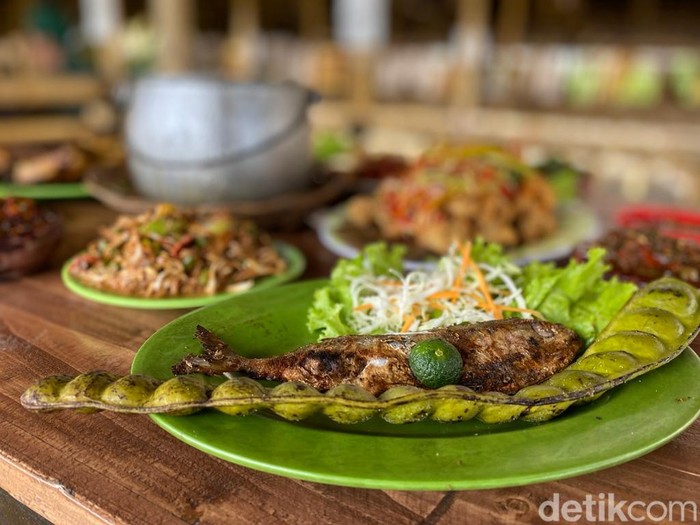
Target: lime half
<point x="435" y="363"/>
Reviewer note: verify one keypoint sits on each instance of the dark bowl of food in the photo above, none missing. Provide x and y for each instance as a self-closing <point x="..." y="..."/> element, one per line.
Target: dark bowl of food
<point x="29" y="235"/>
<point x="651" y="241"/>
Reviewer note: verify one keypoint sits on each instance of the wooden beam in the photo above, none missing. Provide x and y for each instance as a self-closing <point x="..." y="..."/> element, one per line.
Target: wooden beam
<point x="612" y="132"/>
<point x="48" y="91"/>
<point x="23" y="130"/>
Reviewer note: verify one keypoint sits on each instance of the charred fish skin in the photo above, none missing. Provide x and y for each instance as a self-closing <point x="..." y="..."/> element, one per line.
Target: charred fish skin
<point x="366" y="361"/>
<point x="505" y="356"/>
<point x="500" y="356"/>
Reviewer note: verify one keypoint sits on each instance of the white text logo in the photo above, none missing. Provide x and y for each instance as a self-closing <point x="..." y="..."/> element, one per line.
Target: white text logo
<point x="606" y="508"/>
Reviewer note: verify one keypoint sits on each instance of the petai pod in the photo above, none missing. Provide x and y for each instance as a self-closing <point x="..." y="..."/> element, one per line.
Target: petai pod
<point x="655" y="326"/>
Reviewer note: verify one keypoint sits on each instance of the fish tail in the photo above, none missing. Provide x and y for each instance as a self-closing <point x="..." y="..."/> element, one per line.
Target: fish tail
<point x="217" y="358"/>
<point x="213" y="346"/>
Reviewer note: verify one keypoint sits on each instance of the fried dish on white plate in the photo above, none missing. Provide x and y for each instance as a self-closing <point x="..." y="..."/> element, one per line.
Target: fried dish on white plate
<point x="458" y="194"/>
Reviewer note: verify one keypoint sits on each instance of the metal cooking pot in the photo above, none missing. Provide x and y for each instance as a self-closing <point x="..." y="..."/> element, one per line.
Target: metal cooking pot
<point x="197" y="139"/>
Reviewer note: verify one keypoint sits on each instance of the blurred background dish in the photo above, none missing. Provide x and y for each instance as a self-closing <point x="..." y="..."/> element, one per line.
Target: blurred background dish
<point x="54" y="170"/>
<point x="29" y="234"/>
<point x="457" y="193"/>
<point x="577" y="223"/>
<point x="648" y="242"/>
<point x="113" y="187"/>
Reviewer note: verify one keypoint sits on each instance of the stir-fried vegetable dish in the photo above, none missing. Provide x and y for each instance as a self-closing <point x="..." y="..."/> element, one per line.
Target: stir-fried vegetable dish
<point x="168" y="252"/>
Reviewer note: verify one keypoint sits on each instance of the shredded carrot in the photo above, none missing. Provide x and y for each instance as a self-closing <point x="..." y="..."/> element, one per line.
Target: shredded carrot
<point x="408" y="321"/>
<point x="466" y="250"/>
<point x="364" y="306"/>
<point x="483" y="286"/>
<point x="534" y="313"/>
<point x="445" y="294"/>
<point x="484" y="299"/>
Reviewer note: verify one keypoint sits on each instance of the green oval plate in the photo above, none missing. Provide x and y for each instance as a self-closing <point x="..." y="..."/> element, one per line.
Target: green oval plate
<point x="418" y="456"/>
<point x="58" y="190"/>
<point x="296" y="263"/>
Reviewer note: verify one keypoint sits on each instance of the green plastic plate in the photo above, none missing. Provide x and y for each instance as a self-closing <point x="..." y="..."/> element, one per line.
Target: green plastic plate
<point x="58" y="190"/>
<point x="296" y="263"/>
<point x="418" y="456"/>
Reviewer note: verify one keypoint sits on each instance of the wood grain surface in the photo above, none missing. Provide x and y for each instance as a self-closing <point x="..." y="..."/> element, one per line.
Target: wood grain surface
<point x="110" y="468"/>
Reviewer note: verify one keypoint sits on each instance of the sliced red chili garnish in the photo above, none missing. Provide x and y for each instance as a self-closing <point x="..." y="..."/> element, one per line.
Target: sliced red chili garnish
<point x="634" y="215"/>
<point x="669" y="222"/>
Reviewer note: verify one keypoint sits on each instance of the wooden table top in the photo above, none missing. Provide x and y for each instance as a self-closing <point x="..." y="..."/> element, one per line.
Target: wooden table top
<point x="111" y="468"/>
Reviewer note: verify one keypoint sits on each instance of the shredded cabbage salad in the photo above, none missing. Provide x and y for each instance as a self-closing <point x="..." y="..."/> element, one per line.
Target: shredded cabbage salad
<point x="472" y="283"/>
<point x="458" y="290"/>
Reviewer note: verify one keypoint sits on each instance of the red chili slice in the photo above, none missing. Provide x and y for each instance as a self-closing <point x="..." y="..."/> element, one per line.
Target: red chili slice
<point x="670" y="222"/>
<point x="654" y="214"/>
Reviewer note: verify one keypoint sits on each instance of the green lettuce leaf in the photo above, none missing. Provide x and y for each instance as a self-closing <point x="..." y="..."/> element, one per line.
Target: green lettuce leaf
<point x="489" y="253"/>
<point x="328" y="315"/>
<point x="577" y="295"/>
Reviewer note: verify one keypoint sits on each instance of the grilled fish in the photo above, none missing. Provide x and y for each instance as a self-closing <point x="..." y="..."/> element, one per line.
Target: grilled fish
<point x="501" y="356"/>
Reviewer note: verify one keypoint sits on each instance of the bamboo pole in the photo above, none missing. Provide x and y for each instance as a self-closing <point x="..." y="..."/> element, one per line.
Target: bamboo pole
<point x="362" y="29"/>
<point x="471" y="34"/>
<point x="52" y="91"/>
<point x="174" y="25"/>
<point x="313" y="19"/>
<point x="243" y="35"/>
<point x="102" y="23"/>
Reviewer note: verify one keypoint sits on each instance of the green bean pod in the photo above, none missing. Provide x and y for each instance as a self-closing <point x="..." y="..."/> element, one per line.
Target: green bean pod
<point x="655" y="326"/>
